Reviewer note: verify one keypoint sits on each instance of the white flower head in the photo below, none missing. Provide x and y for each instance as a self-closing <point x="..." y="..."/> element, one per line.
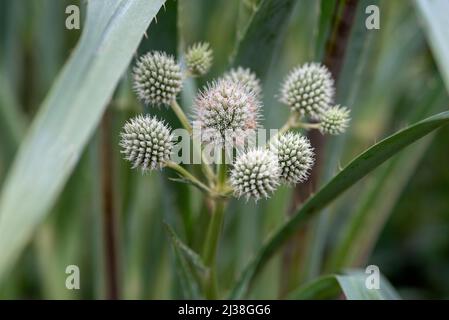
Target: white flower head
<point x="295" y="156"/>
<point x="146" y="142"/>
<point x="255" y="174"/>
<point x="226" y="112"/>
<point x="308" y="90"/>
<point x="157" y="78"/>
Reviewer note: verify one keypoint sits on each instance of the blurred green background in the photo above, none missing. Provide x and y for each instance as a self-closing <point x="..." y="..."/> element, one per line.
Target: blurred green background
<point x="389" y="79"/>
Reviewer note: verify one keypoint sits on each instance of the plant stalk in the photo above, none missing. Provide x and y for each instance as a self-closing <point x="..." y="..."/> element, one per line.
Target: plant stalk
<point x="214" y="231"/>
<point x="109" y="212"/>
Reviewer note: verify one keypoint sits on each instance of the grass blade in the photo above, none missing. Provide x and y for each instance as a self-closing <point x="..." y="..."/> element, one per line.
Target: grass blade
<point x="68" y="117"/>
<point x="434" y="15"/>
<point x="263" y="34"/>
<point x="353" y="172"/>
<point x="352" y="285"/>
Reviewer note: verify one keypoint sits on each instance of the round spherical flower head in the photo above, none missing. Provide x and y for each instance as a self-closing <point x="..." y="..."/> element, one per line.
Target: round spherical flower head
<point x="157" y="78"/>
<point x="335" y="120"/>
<point x="308" y="90"/>
<point x="255" y="174"/>
<point x="246" y="77"/>
<point x="226" y="112"/>
<point x="295" y="156"/>
<point x="146" y="142"/>
<point x="199" y="59"/>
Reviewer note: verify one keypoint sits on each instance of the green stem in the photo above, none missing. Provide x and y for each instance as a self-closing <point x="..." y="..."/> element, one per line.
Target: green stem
<point x="186" y="174"/>
<point x="213" y="233"/>
<point x="181" y="116"/>
<point x="186" y="124"/>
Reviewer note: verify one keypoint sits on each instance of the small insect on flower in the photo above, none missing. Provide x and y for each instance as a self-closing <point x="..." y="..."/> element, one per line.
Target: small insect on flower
<point x="308" y="90"/>
<point x="157" y="78"/>
<point x="146" y="142"/>
<point x="199" y="58"/>
<point x="335" y="120"/>
<point x="226" y="112"/>
<point x="295" y="156"/>
<point x="247" y="78"/>
<point x="255" y="174"/>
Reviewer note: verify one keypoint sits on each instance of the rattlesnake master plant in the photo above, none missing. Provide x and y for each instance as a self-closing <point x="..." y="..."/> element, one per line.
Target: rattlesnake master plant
<point x="226" y="113"/>
<point x="146" y="142"/>
<point x="157" y="78"/>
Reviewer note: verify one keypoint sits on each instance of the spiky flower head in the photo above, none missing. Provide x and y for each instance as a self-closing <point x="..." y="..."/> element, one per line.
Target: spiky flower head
<point x="157" y="78"/>
<point x="255" y="174"/>
<point x="146" y="142"/>
<point x="199" y="58"/>
<point x="295" y="156"/>
<point x="308" y="90"/>
<point x="226" y="112"/>
<point x="335" y="120"/>
<point x="246" y="77"/>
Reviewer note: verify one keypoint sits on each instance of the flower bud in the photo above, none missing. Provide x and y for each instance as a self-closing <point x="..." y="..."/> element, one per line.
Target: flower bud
<point x="247" y="78"/>
<point x="335" y="120"/>
<point x="199" y="59"/>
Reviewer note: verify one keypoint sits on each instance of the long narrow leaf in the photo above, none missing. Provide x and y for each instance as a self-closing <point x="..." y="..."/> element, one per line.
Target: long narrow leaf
<point x="352" y="285"/>
<point x="68" y="117"/>
<point x="353" y="172"/>
<point x="436" y="22"/>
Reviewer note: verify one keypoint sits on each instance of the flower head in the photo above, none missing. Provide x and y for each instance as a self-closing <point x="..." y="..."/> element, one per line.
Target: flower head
<point x="335" y="120"/>
<point x="199" y="58"/>
<point x="226" y="112"/>
<point x="255" y="174"/>
<point x="295" y="156"/>
<point x="246" y="77"/>
<point x="308" y="90"/>
<point x="157" y="78"/>
<point x="146" y="142"/>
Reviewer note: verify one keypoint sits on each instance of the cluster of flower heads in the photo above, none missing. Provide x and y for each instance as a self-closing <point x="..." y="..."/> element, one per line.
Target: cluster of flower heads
<point x="229" y="108"/>
<point x="309" y="92"/>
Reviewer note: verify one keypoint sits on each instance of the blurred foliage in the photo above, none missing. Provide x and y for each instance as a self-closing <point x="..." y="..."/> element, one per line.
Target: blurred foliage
<point x="389" y="80"/>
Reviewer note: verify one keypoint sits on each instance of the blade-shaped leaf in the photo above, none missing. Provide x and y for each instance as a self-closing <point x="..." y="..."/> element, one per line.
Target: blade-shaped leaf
<point x="353" y="172"/>
<point x="69" y="116"/>
<point x="262" y="35"/>
<point x="191" y="267"/>
<point x="435" y="17"/>
<point x="352" y="285"/>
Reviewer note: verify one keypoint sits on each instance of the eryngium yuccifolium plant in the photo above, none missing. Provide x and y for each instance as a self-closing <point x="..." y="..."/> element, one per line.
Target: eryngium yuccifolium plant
<point x="308" y="90"/>
<point x="199" y="59"/>
<point x="255" y="174"/>
<point x="157" y="78"/>
<point x="246" y="77"/>
<point x="226" y="111"/>
<point x="146" y="142"/>
<point x="295" y="156"/>
<point x="335" y="120"/>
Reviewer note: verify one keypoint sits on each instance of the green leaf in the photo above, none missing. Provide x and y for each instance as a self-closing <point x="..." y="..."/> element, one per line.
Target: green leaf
<point x="353" y="172"/>
<point x="68" y="117"/>
<point x="191" y="267"/>
<point x="257" y="45"/>
<point x="351" y="284"/>
<point x="435" y="18"/>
